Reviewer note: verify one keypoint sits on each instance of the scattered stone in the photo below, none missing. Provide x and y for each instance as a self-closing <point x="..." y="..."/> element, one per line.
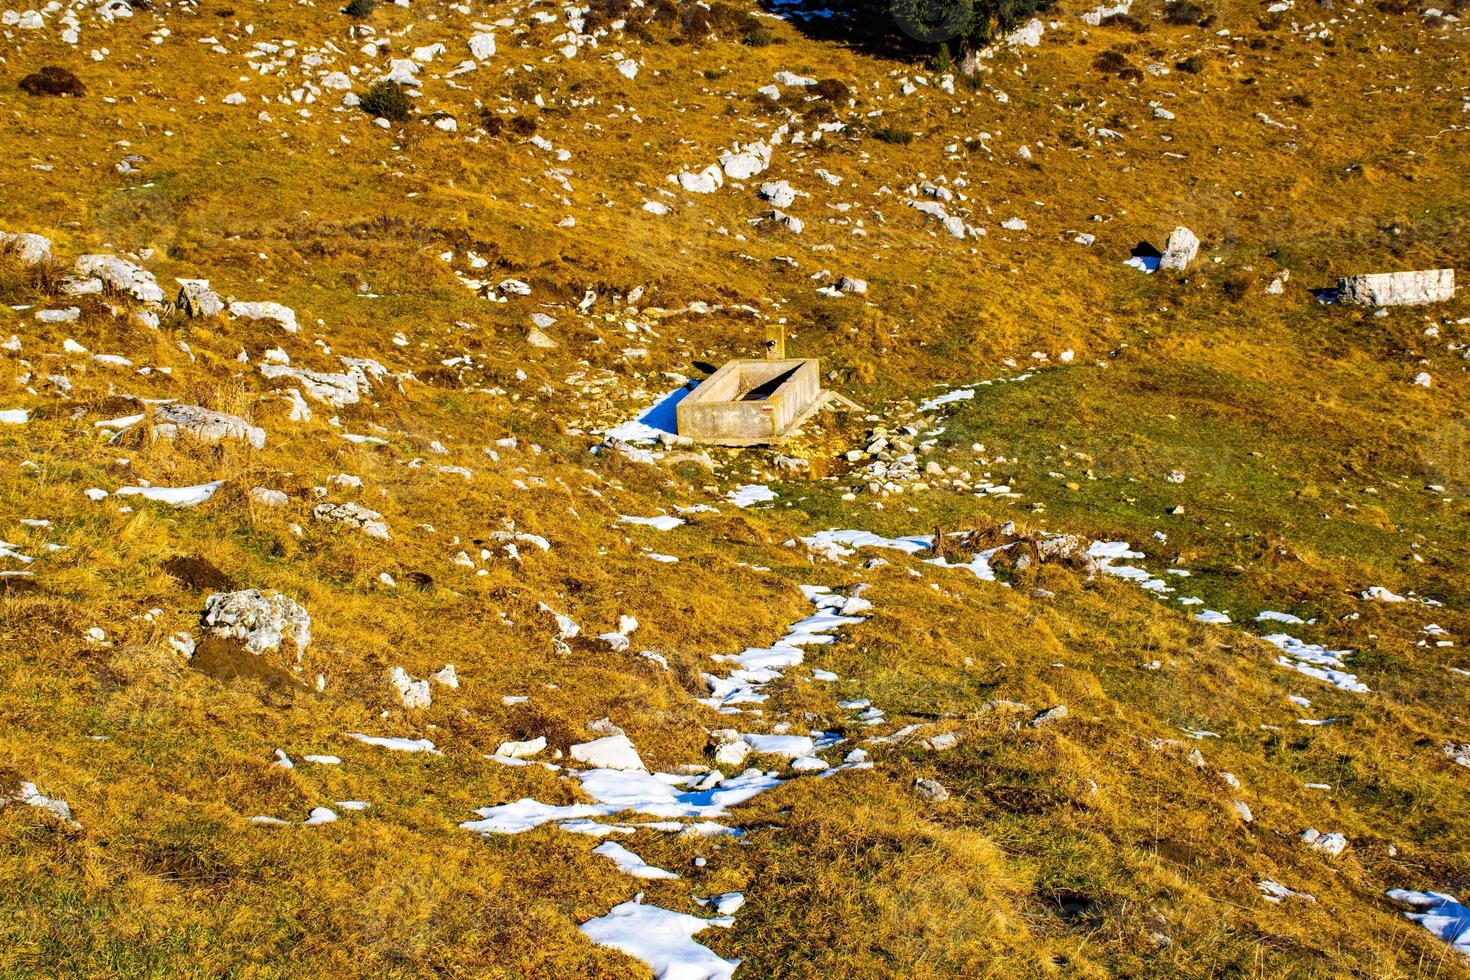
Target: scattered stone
<point x="1048" y="716"/>
<point x="931" y="790"/>
<point x="28" y="795"/>
<point x="411" y="693"/>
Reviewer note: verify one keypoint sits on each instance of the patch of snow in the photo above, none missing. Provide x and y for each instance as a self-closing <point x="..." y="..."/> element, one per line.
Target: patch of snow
<point x="630" y="863"/>
<point x="663" y="940"/>
<point x="395" y="744"/>
<point x="173" y="496"/>
<point x="749" y="494"/>
<point x="662" y="522"/>
<point x="1442" y="915"/>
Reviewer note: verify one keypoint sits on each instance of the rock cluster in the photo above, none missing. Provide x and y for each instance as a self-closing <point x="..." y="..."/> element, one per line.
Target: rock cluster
<point x="370" y="522"/>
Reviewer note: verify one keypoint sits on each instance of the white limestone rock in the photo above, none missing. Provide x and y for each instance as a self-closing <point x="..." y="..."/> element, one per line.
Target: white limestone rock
<point x="412" y="694"/>
<point x="1179" y="250"/>
<point x="283" y="315"/>
<point x="205" y="425"/>
<point x="196" y="299"/>
<point x="779" y="193"/>
<point x="28" y="248"/>
<point x="121" y="276"/>
<point x="370" y="522"/>
<point x="522" y="750"/>
<point x="612" y="752"/>
<point x="262" y="620"/>
<point x="1399" y="288"/>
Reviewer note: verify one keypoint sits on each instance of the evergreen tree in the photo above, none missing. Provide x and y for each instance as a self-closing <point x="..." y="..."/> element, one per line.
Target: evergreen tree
<point x="964" y="25"/>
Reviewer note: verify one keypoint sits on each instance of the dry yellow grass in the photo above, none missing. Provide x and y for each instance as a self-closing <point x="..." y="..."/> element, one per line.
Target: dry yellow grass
<point x="1096" y="846"/>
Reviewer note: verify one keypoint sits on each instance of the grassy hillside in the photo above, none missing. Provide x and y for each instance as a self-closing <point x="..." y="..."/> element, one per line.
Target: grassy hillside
<point x="482" y="289"/>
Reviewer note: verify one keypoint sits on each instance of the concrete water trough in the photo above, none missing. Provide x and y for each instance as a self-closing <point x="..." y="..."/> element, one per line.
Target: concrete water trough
<point x="752" y="402"/>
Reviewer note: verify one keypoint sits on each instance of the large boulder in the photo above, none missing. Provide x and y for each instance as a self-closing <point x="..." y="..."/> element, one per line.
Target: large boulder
<point x="196" y="299"/>
<point x="1179" y="250"/>
<point x="205" y="425"/>
<point x="28" y="248"/>
<point x="707" y="181"/>
<point x="283" y="315"/>
<point x="1399" y="288"/>
<point x="779" y="193"/>
<point x="121" y="276"/>
<point x="777" y="218"/>
<point x="261" y="621"/>
<point x="746" y="161"/>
